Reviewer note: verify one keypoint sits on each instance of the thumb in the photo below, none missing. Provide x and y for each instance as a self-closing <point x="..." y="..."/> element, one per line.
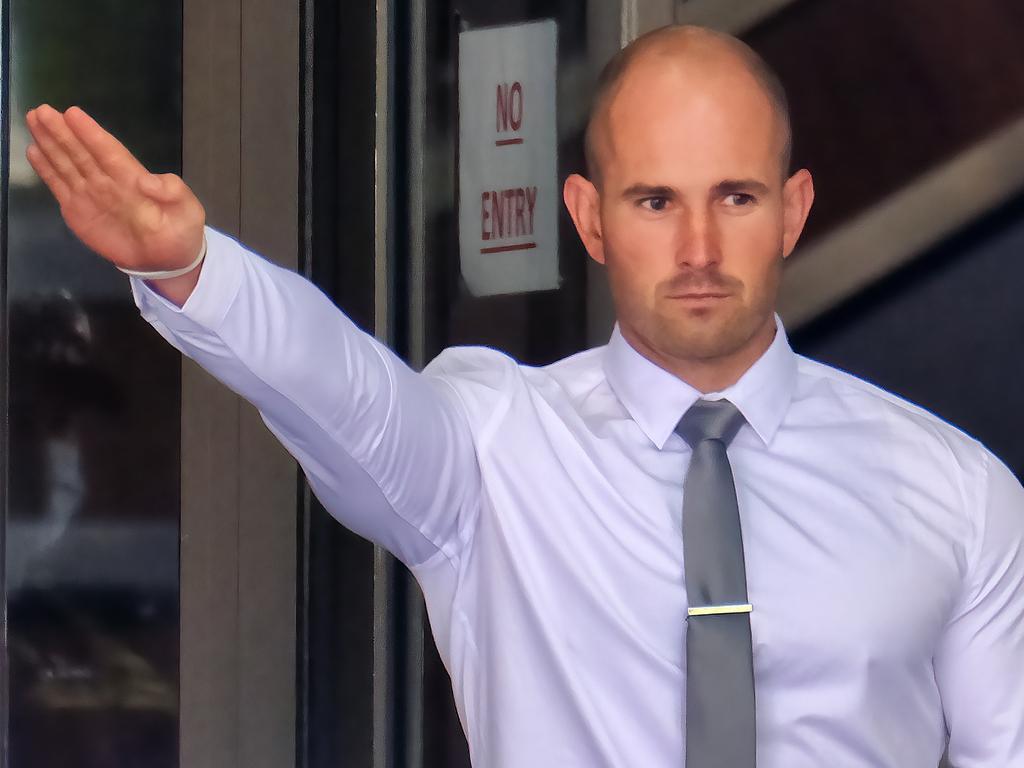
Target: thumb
<point x="161" y="188"/>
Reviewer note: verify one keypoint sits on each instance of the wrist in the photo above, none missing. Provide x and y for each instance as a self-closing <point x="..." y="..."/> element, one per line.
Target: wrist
<point x="169" y="274"/>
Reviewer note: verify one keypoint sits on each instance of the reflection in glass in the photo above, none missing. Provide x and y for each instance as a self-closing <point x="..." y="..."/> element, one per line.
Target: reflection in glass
<point x="535" y="328"/>
<point x="91" y="539"/>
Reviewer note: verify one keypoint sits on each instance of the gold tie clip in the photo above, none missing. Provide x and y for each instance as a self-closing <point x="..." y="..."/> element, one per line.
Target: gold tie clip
<point x="714" y="610"/>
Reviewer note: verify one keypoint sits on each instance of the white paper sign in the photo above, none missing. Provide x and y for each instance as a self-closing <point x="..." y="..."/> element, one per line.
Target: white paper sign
<point x="508" y="195"/>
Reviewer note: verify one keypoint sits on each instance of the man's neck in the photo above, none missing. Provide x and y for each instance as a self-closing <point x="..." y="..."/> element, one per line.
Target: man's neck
<point x="713" y="374"/>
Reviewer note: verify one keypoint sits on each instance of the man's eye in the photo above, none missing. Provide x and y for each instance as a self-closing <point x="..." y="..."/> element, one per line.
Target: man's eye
<point x="739" y="199"/>
<point x="655" y="203"/>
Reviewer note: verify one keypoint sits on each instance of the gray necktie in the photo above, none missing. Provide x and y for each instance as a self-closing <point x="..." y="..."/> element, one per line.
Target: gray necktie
<point x="720" y="724"/>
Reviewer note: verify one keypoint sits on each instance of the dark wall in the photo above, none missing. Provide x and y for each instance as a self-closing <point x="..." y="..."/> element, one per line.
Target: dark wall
<point x="882" y="91"/>
<point x="946" y="332"/>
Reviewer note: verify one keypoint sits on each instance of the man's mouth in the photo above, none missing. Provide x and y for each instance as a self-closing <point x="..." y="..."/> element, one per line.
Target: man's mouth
<point x="696" y="295"/>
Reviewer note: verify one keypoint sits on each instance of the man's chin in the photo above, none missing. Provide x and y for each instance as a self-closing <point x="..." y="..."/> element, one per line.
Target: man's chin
<point x="705" y="338"/>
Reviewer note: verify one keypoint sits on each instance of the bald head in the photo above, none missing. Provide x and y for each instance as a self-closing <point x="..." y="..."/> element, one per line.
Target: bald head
<point x="690" y="50"/>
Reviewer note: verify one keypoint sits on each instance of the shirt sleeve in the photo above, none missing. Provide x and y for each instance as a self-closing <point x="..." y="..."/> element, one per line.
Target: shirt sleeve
<point x="980" y="659"/>
<point x="388" y="451"/>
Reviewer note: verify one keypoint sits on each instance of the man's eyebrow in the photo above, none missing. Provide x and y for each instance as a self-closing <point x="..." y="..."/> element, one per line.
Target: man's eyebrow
<point x="721" y="189"/>
<point x="648" y="190"/>
<point x="733" y="186"/>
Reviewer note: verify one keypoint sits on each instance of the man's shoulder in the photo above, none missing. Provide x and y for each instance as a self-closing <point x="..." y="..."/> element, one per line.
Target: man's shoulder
<point x="485" y="377"/>
<point x="575" y="371"/>
<point x="487" y="365"/>
<point x="858" y="400"/>
<point x="477" y="363"/>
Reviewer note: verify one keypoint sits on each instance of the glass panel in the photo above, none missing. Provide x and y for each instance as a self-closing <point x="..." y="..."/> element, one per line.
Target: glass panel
<point x="339" y="598"/>
<point x="535" y="328"/>
<point x="91" y="536"/>
<point x="336" y="712"/>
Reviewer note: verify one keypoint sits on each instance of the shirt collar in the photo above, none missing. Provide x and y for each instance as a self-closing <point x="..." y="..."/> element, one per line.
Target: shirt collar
<point x="657" y="399"/>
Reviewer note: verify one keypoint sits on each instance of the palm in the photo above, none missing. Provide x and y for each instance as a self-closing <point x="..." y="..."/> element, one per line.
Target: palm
<point x="129" y="232"/>
<point x="108" y="199"/>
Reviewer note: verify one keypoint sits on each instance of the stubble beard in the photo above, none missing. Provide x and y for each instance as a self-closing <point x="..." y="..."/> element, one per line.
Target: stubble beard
<point x="673" y="333"/>
<point x="704" y="337"/>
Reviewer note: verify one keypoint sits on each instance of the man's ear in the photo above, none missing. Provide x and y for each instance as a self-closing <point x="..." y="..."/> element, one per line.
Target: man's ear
<point x="584" y="204"/>
<point x="797" y="198"/>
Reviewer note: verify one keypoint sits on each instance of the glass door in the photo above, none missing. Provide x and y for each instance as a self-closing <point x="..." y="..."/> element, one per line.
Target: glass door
<point x="442" y="306"/>
<point x="90" y="412"/>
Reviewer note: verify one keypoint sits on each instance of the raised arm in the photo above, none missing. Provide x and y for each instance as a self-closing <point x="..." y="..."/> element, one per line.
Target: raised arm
<point x="389" y="452"/>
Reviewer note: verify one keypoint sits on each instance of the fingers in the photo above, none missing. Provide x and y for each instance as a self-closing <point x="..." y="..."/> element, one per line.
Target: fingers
<point x="47" y="173"/>
<point x="50" y="148"/>
<point x="59" y="140"/>
<point x="105" y="150"/>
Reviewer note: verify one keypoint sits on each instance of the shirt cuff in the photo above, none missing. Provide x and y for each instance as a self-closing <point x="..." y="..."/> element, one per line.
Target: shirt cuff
<point x="218" y="284"/>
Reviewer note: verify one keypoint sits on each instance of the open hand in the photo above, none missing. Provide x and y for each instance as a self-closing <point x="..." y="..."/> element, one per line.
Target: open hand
<point x="129" y="216"/>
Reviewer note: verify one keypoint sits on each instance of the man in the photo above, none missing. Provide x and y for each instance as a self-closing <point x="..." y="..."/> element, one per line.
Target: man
<point x="620" y="550"/>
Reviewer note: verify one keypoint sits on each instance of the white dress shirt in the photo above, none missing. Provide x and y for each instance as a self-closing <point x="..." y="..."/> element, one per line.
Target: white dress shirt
<point x="540" y="510"/>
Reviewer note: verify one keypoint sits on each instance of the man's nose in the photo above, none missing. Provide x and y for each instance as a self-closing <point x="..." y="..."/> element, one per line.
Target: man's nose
<point x="698" y="240"/>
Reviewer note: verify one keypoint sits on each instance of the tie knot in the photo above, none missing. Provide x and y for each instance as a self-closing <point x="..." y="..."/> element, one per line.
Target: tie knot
<point x="710" y="420"/>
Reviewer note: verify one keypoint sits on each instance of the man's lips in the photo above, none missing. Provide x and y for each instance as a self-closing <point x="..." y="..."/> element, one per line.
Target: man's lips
<point x="700" y="295"/>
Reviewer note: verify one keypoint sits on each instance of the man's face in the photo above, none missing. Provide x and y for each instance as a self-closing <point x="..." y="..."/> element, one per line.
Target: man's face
<point x="692" y="209"/>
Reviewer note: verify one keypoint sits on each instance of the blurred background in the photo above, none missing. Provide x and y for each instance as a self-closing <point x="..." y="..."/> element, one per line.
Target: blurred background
<point x="173" y="594"/>
<point x="91" y="415"/>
